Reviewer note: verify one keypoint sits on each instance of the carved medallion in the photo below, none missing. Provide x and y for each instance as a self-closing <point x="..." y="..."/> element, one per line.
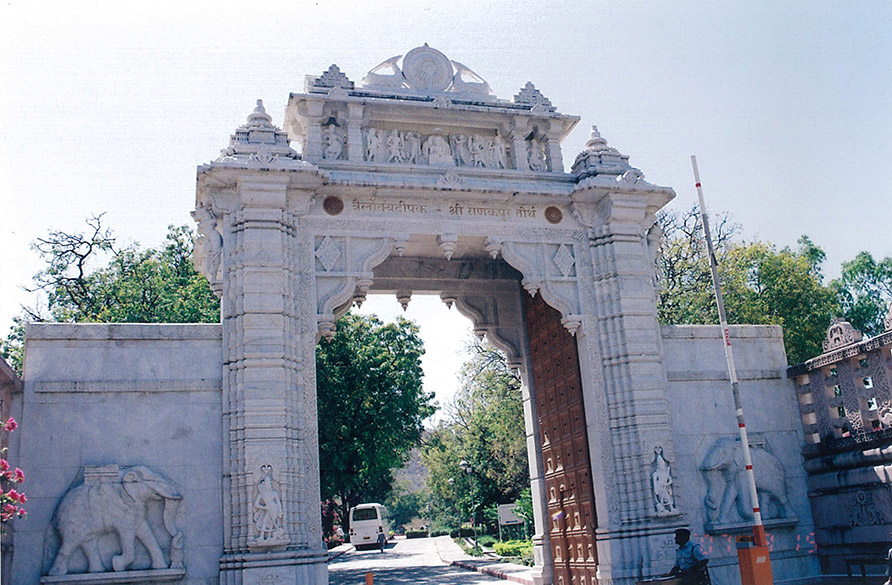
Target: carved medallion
<point x="333" y="205"/>
<point x="553" y="214"/>
<point x="427" y="69"/>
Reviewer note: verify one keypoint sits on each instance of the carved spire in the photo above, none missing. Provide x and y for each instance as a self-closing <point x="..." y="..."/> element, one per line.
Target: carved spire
<point x="532" y="96"/>
<point x="259" y="142"/>
<point x="599" y="158"/>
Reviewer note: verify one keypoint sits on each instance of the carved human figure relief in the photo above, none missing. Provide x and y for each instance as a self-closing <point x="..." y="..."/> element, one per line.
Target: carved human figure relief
<point x="727" y="496"/>
<point x="333" y="142"/>
<point x="498" y="153"/>
<point x="661" y="483"/>
<point x="460" y="150"/>
<point x="268" y="512"/>
<point x="437" y="151"/>
<point x="411" y="148"/>
<point x="536" y="158"/>
<point x="372" y="144"/>
<point x="208" y="244"/>
<point x="114" y="501"/>
<point x="394" y="144"/>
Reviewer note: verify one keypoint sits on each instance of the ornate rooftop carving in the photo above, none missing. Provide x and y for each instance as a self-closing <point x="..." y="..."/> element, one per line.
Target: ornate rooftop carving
<point x="839" y="334"/>
<point x="426" y="70"/>
<point x="599" y="158"/>
<point x="530" y="95"/>
<point x="333" y="78"/>
<point x="887" y="322"/>
<point x="259" y="142"/>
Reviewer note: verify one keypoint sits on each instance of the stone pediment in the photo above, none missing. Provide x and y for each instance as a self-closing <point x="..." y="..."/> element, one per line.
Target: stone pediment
<point x="424" y="110"/>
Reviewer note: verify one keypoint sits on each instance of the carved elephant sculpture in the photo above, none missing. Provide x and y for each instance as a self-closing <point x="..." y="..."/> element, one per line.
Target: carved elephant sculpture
<point x="89" y="511"/>
<point x="727" y="484"/>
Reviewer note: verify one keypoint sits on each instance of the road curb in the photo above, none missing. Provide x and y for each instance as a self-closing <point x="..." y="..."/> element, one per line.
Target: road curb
<point x="338" y="551"/>
<point x="492" y="571"/>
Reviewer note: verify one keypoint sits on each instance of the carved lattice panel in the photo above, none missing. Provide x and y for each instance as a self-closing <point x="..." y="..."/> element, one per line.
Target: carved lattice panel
<point x="558" y="389"/>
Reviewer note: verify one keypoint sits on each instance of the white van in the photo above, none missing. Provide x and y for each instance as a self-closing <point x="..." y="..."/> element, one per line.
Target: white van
<point x="369" y="526"/>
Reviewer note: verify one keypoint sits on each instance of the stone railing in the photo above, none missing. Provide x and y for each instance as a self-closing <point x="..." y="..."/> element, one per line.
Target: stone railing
<point x="845" y="399"/>
<point x="845" y="394"/>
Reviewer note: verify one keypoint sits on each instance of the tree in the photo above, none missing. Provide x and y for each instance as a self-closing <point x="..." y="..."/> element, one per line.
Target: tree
<point x="158" y="285"/>
<point x="760" y="284"/>
<point x="484" y="426"/>
<point x="371" y="406"/>
<point x="864" y="291"/>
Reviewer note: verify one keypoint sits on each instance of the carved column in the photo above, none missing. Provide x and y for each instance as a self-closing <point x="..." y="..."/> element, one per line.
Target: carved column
<point x="354" y="132"/>
<point x="517" y="136"/>
<point x="272" y="525"/>
<point x="621" y="329"/>
<point x="313" y="147"/>
<point x="553" y="157"/>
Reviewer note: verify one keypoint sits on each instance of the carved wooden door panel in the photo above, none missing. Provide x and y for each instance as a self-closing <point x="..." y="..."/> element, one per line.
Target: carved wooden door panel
<point x="558" y="394"/>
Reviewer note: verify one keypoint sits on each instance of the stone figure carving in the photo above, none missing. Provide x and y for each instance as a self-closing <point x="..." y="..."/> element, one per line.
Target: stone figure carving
<point x="268" y="512"/>
<point x="536" y="158"/>
<point x="411" y="148"/>
<point x="117" y="503"/>
<point x="479" y="148"/>
<point x="332" y="142"/>
<point x="460" y="149"/>
<point x="477" y="84"/>
<point x="372" y="144"/>
<point x="727" y="487"/>
<point x="437" y="151"/>
<point x="208" y="244"/>
<point x="498" y="153"/>
<point x="394" y="144"/>
<point x="393" y="79"/>
<point x="661" y="482"/>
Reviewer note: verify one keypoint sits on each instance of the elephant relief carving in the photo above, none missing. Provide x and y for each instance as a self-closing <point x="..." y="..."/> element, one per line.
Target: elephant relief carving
<point x="727" y="492"/>
<point x="115" y="501"/>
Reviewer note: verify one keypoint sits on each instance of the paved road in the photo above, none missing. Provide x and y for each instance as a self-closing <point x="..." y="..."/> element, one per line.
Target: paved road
<point x="405" y="562"/>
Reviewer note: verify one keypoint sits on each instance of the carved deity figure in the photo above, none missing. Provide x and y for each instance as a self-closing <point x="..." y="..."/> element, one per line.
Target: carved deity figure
<point x="479" y="151"/>
<point x="461" y="150"/>
<point x="661" y="482"/>
<point x="411" y="148"/>
<point x="332" y="142"/>
<point x="208" y="244"/>
<point x="394" y="146"/>
<point x="437" y="151"/>
<point x="498" y="153"/>
<point x="536" y="158"/>
<point x="372" y="144"/>
<point x="117" y="503"/>
<point x="268" y="511"/>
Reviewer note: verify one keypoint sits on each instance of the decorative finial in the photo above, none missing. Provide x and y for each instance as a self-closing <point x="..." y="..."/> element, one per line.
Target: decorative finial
<point x="259" y="117"/>
<point x="596" y="142"/>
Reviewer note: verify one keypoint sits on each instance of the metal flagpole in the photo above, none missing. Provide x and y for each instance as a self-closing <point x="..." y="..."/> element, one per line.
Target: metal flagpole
<point x="758" y="528"/>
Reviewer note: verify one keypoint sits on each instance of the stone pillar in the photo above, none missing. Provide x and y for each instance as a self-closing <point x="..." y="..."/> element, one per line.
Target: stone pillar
<point x="554" y="160"/>
<point x="354" y="132"/>
<point x="313" y="148"/>
<point x="517" y="136"/>
<point x="625" y="386"/>
<point x="543" y="565"/>
<point x="272" y="524"/>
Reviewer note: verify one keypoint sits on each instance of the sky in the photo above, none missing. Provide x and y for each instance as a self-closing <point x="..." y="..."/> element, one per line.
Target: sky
<point x="108" y="107"/>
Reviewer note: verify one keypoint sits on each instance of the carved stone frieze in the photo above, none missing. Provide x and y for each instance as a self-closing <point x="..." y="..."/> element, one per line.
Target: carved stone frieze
<point x="438" y="149"/>
<point x="114" y="502"/>
<point x="839" y="334"/>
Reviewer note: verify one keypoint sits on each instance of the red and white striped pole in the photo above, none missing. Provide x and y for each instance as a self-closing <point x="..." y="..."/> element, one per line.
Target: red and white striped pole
<point x="758" y="528"/>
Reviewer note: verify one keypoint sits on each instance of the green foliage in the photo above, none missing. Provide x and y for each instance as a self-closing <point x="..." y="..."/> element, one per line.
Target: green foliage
<point x="416" y="534"/>
<point x="484" y="426"/>
<point x="404" y="505"/>
<point x="760" y="284"/>
<point x="865" y="290"/>
<point x="513" y="548"/>
<point x="371" y="406"/>
<point x="158" y="285"/>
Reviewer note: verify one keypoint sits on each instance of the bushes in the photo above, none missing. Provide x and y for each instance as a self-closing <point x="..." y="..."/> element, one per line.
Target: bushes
<point x="463" y="532"/>
<point x="416" y="534"/>
<point x="486" y="540"/>
<point x="513" y="548"/>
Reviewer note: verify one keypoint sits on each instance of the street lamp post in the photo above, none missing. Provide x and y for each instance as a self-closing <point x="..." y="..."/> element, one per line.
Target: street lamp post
<point x="466" y="467"/>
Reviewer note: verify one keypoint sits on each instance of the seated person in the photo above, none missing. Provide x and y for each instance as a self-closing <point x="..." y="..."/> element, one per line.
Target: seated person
<point x="690" y="562"/>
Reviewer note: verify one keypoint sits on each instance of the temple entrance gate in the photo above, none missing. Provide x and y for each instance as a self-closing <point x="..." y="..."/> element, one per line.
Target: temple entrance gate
<point x="420" y="180"/>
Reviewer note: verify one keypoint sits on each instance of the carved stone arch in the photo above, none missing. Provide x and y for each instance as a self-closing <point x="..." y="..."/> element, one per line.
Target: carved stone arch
<point x="492" y="316"/>
<point x="549" y="268"/>
<point x="343" y="268"/>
